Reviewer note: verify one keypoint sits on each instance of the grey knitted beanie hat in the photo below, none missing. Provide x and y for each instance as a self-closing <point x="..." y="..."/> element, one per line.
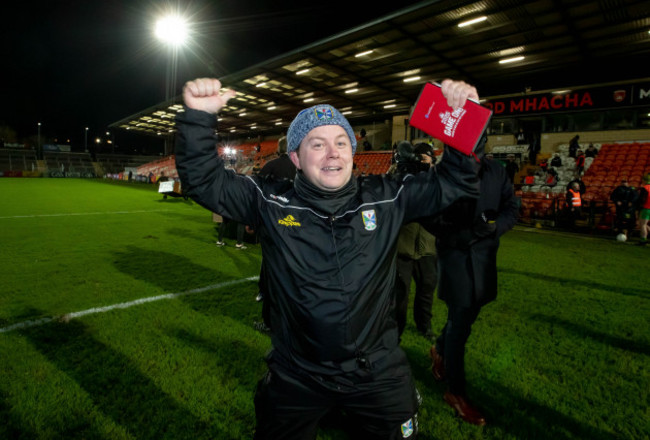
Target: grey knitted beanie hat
<point x="316" y="116"/>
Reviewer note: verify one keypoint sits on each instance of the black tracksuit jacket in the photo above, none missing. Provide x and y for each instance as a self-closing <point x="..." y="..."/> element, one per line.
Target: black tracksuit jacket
<point x="330" y="257"/>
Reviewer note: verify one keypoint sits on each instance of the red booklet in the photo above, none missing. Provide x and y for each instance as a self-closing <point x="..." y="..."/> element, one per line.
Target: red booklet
<point x="461" y="128"/>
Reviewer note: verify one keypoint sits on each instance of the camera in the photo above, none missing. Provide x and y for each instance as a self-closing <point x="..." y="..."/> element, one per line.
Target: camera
<point x="409" y="158"/>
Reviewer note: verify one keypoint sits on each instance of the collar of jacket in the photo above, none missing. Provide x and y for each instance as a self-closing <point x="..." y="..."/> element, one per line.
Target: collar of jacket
<point x="329" y="202"/>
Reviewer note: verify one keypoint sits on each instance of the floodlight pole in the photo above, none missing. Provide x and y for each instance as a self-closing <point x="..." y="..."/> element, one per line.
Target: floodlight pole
<point x="39" y="153"/>
<point x="86" y="140"/>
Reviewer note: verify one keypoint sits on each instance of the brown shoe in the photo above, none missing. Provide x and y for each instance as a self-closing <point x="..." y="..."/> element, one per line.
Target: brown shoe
<point x="437" y="364"/>
<point x="464" y="409"/>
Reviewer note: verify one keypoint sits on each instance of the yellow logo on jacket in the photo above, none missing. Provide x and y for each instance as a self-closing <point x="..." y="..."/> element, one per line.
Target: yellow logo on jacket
<point x="289" y="221"/>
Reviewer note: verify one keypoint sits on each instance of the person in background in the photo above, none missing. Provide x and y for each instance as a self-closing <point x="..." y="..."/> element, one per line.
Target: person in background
<point x="416" y="253"/>
<point x="581" y="184"/>
<point x="221" y="229"/>
<point x="591" y="151"/>
<point x="534" y="147"/>
<point x="511" y="168"/>
<point x="644" y="213"/>
<point x="329" y="240"/>
<point x="467" y="241"/>
<point x="573" y="204"/>
<point x="281" y="167"/>
<point x="580" y="162"/>
<point x="556" y="161"/>
<point x="521" y="137"/>
<point x="625" y="199"/>
<point x="574" y="146"/>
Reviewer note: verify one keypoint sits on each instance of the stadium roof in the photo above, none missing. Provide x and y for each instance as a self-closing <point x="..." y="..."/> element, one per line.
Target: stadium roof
<point x="366" y="70"/>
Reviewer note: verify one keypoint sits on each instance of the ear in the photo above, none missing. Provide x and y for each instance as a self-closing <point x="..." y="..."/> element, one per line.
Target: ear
<point x="295" y="159"/>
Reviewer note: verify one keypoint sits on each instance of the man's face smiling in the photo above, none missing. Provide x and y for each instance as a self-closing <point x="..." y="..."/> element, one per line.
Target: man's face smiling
<point x="325" y="157"/>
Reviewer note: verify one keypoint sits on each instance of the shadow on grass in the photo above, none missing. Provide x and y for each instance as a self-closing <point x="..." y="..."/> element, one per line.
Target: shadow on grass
<point x="207" y="238"/>
<point x="192" y="216"/>
<point x="507" y="410"/>
<point x="642" y="293"/>
<point x="234" y="357"/>
<point x="115" y="385"/>
<point x="175" y="200"/>
<point x="237" y="302"/>
<point x="601" y="337"/>
<point x="10" y="424"/>
<point x="524" y="419"/>
<point x="170" y="272"/>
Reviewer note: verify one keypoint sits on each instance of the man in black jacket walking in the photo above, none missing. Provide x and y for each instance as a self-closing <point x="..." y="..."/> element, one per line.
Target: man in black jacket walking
<point x="468" y="240"/>
<point x="328" y="243"/>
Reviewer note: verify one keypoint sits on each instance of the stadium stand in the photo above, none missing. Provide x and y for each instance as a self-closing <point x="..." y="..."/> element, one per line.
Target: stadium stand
<point x="68" y="162"/>
<point x="372" y="162"/>
<point x="17" y="160"/>
<point x="615" y="161"/>
<point x="116" y="163"/>
<point x="165" y="165"/>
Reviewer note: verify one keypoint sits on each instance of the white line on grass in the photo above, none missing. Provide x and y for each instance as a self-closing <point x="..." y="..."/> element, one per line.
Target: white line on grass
<point x="82" y="213"/>
<point x="125" y="305"/>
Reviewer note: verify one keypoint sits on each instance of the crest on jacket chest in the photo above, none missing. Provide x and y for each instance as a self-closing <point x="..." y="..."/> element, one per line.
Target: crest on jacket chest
<point x="369" y="219"/>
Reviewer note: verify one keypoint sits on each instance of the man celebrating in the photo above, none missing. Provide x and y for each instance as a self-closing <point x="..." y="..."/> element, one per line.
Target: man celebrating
<point x="328" y="243"/>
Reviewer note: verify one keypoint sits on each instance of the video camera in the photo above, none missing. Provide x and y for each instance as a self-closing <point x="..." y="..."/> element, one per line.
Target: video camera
<point x="408" y="161"/>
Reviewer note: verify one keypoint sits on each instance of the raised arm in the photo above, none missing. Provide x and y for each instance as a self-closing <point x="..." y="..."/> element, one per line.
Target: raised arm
<point x="206" y="94"/>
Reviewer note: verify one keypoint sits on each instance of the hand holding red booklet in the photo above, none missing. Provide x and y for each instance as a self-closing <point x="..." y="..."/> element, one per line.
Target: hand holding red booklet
<point x="461" y="129"/>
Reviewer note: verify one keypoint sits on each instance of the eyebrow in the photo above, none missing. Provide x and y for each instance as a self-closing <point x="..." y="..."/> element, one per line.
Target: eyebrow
<point x="317" y="137"/>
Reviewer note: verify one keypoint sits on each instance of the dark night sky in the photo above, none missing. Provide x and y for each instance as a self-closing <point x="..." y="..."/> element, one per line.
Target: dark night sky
<point x="71" y="64"/>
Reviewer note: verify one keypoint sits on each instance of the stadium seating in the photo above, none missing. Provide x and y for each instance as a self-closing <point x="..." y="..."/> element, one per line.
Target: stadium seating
<point x="17" y="159"/>
<point x="116" y="163"/>
<point x="68" y="162"/>
<point x="372" y="162"/>
<point x="617" y="161"/>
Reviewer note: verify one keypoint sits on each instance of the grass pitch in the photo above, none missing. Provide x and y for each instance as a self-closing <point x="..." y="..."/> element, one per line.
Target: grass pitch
<point x="120" y="319"/>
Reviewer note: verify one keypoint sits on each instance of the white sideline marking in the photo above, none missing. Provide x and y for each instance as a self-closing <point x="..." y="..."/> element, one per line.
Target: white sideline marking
<point x="125" y="305"/>
<point x="83" y="213"/>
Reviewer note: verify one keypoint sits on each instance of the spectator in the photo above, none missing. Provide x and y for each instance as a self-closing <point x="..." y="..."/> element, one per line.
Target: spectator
<point x="556" y="161"/>
<point x="363" y="140"/>
<point x="511" y="168"/>
<point x="543" y="166"/>
<point x="551" y="177"/>
<point x="467" y="243"/>
<point x="644" y="213"/>
<point x="329" y="245"/>
<point x="521" y="137"/>
<point x="625" y="199"/>
<point x="280" y="168"/>
<point x="416" y="257"/>
<point x="574" y="146"/>
<point x="591" y="151"/>
<point x="581" y="184"/>
<point x="221" y="229"/>
<point x="580" y="162"/>
<point x="529" y="179"/>
<point x="534" y="148"/>
<point x="573" y="204"/>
